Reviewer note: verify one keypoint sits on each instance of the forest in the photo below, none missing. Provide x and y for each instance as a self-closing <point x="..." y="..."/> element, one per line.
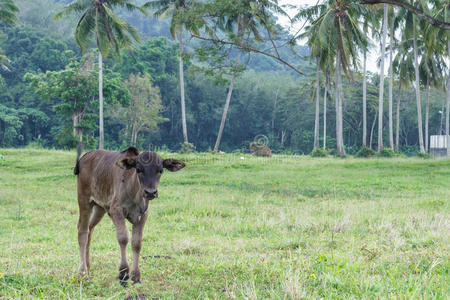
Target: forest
<point x="213" y="75"/>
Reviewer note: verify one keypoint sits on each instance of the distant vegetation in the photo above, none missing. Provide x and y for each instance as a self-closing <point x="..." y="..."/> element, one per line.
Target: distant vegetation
<point x="268" y="97"/>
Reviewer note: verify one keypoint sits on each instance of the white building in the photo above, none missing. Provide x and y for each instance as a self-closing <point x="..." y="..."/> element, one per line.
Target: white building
<point x="438" y="145"/>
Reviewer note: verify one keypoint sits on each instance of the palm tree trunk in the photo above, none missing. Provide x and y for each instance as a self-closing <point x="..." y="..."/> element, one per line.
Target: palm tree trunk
<point x="381" y="90"/>
<point x="441" y="127"/>
<point x="372" y="128"/>
<point x="183" y="104"/>
<point x="316" y="118"/>
<point x="427" y="109"/>
<point x="325" y="114"/>
<point x="100" y="99"/>
<point x="419" y="105"/>
<point x="397" y="127"/>
<point x="274" y="113"/>
<point x="364" y="143"/>
<point x="391" y="49"/>
<point x="230" y="90"/>
<point x="227" y="104"/>
<point x="339" y="124"/>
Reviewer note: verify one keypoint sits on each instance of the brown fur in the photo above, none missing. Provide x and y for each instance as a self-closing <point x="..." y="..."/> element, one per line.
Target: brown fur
<point x="121" y="184"/>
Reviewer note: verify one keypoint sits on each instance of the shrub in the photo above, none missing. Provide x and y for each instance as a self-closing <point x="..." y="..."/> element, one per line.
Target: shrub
<point x="387" y="152"/>
<point x="424" y="155"/>
<point x="365" y="152"/>
<point x="319" y="152"/>
<point x="187" y="148"/>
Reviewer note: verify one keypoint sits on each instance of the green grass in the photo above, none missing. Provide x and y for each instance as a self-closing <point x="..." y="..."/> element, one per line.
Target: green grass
<point x="226" y="227"/>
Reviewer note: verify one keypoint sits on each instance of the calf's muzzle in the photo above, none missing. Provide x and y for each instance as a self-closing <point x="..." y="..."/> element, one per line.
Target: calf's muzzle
<point x="151" y="193"/>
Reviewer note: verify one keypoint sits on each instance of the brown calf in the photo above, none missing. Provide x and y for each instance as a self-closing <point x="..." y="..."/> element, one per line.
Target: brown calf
<point x="121" y="184"/>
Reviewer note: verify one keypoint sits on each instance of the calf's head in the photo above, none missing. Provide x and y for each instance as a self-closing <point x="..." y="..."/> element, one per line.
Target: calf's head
<point x="149" y="168"/>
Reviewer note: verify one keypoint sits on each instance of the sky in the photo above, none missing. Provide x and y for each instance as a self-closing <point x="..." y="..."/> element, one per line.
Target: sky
<point x="284" y="21"/>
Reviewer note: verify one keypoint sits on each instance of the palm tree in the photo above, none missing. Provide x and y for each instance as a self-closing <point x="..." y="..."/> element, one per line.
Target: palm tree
<point x="381" y="88"/>
<point x="431" y="72"/>
<point x="341" y="38"/>
<point x="317" y="51"/>
<point x="99" y="22"/>
<point x="391" y="51"/>
<point x="176" y="9"/>
<point x="403" y="66"/>
<point x="442" y="11"/>
<point x="327" y="82"/>
<point x="412" y="39"/>
<point x="246" y="17"/>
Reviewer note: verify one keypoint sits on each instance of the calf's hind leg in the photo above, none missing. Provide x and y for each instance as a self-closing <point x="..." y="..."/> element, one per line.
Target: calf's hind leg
<point x="96" y="216"/>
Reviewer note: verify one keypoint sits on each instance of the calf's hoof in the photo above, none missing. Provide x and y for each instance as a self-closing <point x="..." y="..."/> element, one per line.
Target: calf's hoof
<point x="123" y="278"/>
<point x="83" y="273"/>
<point x="136" y="277"/>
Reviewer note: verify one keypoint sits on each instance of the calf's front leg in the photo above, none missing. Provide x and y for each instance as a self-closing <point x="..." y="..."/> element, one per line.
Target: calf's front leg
<point x="136" y="245"/>
<point x="83" y="232"/>
<point x="122" y="237"/>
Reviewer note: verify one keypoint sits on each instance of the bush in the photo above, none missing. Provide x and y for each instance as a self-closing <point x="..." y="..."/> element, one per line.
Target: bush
<point x="319" y="152"/>
<point x="187" y="148"/>
<point x="387" y="152"/>
<point x="365" y="152"/>
<point x="424" y="155"/>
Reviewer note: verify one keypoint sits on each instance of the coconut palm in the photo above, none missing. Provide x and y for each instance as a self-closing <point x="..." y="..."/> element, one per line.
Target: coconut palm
<point x="381" y="87"/>
<point x="176" y="10"/>
<point x="441" y="36"/>
<point x="412" y="43"/>
<point x="391" y="19"/>
<point x="240" y="19"/>
<point x="403" y="66"/>
<point x="99" y="23"/>
<point x="431" y="71"/>
<point x="337" y="24"/>
<point x="318" y="51"/>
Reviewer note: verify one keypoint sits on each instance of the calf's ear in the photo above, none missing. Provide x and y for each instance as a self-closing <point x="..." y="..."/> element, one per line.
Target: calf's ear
<point x="173" y="165"/>
<point x="127" y="163"/>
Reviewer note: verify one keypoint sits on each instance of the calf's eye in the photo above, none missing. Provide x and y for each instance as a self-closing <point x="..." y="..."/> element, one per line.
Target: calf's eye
<point x="160" y="171"/>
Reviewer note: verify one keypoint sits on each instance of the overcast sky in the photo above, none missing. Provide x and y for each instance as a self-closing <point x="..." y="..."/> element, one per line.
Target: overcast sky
<point x="284" y="21"/>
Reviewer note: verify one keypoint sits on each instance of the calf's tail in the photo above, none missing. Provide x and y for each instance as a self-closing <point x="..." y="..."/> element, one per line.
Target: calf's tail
<point x="76" y="170"/>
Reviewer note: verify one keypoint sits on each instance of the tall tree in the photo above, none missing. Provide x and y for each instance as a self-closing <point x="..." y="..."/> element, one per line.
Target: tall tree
<point x="241" y="20"/>
<point x="337" y="24"/>
<point x="177" y="10"/>
<point x="391" y="51"/>
<point x="417" y="85"/>
<point x="442" y="36"/>
<point x="403" y="66"/>
<point x="99" y="23"/>
<point x="381" y="87"/>
<point x="72" y="89"/>
<point x="144" y="109"/>
<point x="317" y="110"/>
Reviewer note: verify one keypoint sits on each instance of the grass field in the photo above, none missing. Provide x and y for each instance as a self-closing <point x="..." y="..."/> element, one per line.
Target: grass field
<point x="226" y="227"/>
